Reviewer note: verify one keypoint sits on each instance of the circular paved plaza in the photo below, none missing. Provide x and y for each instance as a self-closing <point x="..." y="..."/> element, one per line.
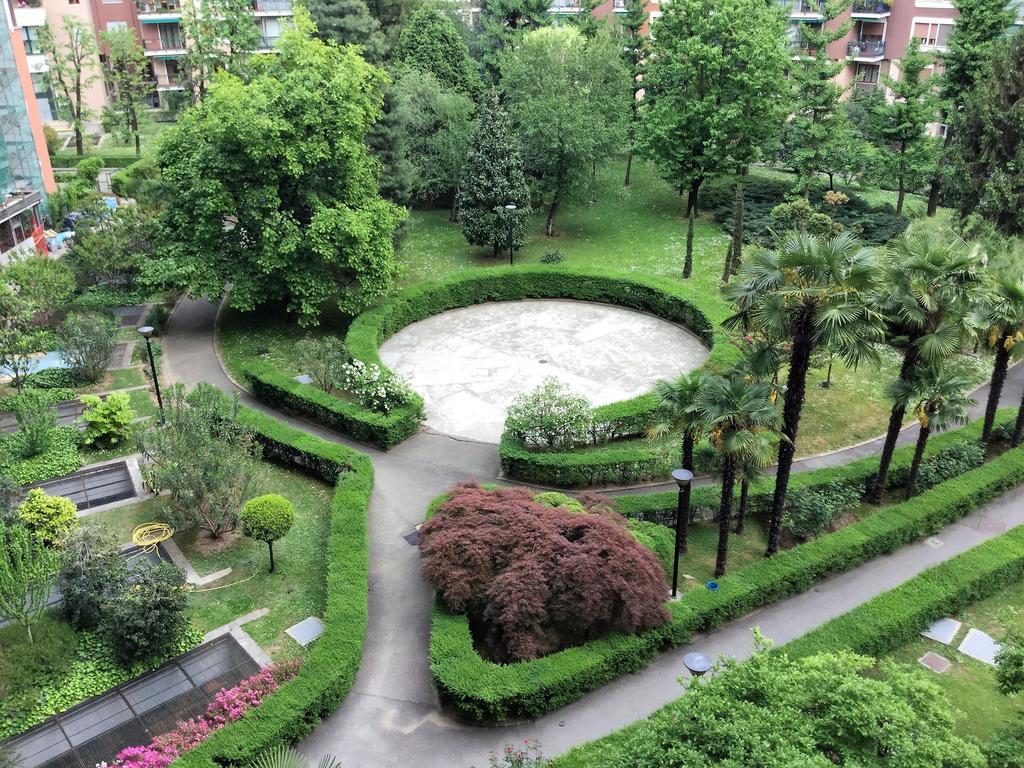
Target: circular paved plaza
<point x="470" y="363"/>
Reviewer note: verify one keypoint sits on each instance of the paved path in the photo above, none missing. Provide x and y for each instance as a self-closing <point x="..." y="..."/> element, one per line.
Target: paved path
<point x="391" y="718"/>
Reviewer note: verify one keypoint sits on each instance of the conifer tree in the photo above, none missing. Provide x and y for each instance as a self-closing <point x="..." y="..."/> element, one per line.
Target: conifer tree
<point x="635" y="50"/>
<point x="503" y="23"/>
<point x="349" y="22"/>
<point x="431" y="43"/>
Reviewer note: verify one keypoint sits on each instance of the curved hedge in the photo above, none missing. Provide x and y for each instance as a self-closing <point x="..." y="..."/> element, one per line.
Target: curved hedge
<point x="329" y="671"/>
<point x="484" y="691"/>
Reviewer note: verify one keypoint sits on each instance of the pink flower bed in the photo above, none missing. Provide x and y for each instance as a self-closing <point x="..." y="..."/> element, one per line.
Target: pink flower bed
<point x="228" y="705"/>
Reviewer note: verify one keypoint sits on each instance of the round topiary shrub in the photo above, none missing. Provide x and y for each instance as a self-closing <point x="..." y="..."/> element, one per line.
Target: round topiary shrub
<point x="267" y="518"/>
<point x="50" y="518"/>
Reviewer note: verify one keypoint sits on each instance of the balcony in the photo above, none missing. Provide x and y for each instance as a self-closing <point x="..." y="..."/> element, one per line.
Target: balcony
<point x="160" y="49"/>
<point x="871" y="9"/>
<point x="267" y="42"/>
<point x="272" y="7"/>
<point x="806" y="10"/>
<point x="169" y="84"/>
<point x="158" y="12"/>
<point x="565" y="6"/>
<point x="865" y="50"/>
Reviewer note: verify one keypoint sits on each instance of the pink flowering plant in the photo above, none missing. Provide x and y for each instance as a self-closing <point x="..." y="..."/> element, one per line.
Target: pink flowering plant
<point x="228" y="705"/>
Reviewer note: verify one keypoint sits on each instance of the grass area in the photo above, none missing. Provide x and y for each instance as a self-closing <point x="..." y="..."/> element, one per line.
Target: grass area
<point x="702" y="551"/>
<point x="149" y="132"/>
<point x="970" y="684"/>
<point x="298" y="588"/>
<point x="142" y="403"/>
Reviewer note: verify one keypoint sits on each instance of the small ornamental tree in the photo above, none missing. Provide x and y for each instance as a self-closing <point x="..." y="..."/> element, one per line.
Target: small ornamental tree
<point x="549" y="416"/>
<point x="107" y="422"/>
<point x="50" y="518"/>
<point x="1010" y="663"/>
<point x="267" y="518"/>
<point x="146" y="618"/>
<point x="27" y="572"/>
<point x="323" y="360"/>
<point x="534" y="579"/>
<point x="91" y="569"/>
<point x="87" y="342"/>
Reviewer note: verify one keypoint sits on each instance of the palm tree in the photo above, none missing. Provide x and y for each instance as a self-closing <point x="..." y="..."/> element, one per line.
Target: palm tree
<point x="282" y="756"/>
<point x="814" y="292"/>
<point x="737" y="414"/>
<point x="926" y="291"/>
<point x="939" y="401"/>
<point x="678" y="412"/>
<point x="749" y="469"/>
<point x="1004" y="318"/>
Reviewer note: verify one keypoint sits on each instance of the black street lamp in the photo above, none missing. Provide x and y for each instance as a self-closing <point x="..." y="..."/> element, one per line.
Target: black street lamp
<point x="511" y="209"/>
<point x="147" y="333"/>
<point x="682" y="478"/>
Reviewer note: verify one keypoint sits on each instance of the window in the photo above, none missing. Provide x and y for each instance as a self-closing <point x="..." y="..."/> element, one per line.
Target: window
<point x="933" y="34"/>
<point x="867" y="73"/>
<point x="170" y="36"/>
<point x="30" y="36"/>
<point x="115" y="25"/>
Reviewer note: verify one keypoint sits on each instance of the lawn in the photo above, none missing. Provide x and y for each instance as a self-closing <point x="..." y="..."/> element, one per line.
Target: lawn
<point x="298" y="588"/>
<point x="970" y="684"/>
<point x="702" y="551"/>
<point x="638" y="229"/>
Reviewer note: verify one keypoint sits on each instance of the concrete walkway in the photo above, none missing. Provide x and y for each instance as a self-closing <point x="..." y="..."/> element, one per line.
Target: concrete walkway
<point x="391" y="718"/>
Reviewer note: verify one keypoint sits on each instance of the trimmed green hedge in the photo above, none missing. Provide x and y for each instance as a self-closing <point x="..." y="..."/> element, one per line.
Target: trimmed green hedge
<point x="328" y="673"/>
<point x="68" y="159"/>
<point x="481" y="690"/>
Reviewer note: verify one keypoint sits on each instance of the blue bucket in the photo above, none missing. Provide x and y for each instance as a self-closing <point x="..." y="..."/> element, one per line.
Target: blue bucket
<point x="712" y="585"/>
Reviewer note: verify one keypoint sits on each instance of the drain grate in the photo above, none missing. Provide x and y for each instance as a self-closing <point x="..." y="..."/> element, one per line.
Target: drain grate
<point x="413" y="537"/>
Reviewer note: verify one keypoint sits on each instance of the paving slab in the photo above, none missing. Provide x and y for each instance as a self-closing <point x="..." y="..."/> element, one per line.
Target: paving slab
<point x="304" y="378"/>
<point x="943" y="631"/>
<point x="306" y="631"/>
<point x="934" y="662"/>
<point x="980" y="646"/>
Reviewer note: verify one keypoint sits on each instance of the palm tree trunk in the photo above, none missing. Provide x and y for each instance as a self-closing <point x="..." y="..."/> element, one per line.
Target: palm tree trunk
<point x="741" y="513"/>
<point x="915" y="465"/>
<point x="895" y="425"/>
<point x="725" y="513"/>
<point x="796" y="385"/>
<point x="1018" y="426"/>
<point x="996" y="388"/>
<point x="684" y="521"/>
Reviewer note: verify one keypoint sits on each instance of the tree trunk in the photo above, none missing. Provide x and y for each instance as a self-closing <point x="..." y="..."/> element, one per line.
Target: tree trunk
<point x="495" y="253"/>
<point x="270" y="544"/>
<point x="688" y="262"/>
<point x="629" y="165"/>
<point x="796" y="384"/>
<point x="684" y="521"/>
<point x="549" y="227"/>
<point x="725" y="513"/>
<point x="996" y="388"/>
<point x="895" y="425"/>
<point x="902" y="195"/>
<point x="79" y="145"/>
<point x="831" y="181"/>
<point x="31" y="639"/>
<point x="736" y="246"/>
<point x="741" y="514"/>
<point x="915" y="465"/>
<point x="933" y="193"/>
<point x="1018" y="426"/>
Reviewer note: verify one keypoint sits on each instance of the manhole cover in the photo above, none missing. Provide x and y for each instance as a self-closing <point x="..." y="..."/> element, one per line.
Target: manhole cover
<point x="933" y="542"/>
<point x="934" y="662"/>
<point x="542" y="362"/>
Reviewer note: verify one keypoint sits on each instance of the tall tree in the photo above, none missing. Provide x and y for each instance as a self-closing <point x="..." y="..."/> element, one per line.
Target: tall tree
<point x="389" y="143"/>
<point x="635" y="50"/>
<point x="1003" y="331"/>
<point x="815" y="293"/>
<point x="988" y="151"/>
<point x="393" y="16"/>
<point x="273" y="189"/>
<point x="901" y="125"/>
<point x="73" y="69"/>
<point x="216" y="34"/>
<point x="927" y="291"/>
<point x="980" y="24"/>
<point x="714" y="91"/>
<point x="493" y="177"/>
<point x="939" y="401"/>
<point x="431" y="43"/>
<point x="737" y="415"/>
<point x="128" y="76"/>
<point x="502" y="24"/>
<point x="28" y="570"/>
<point x="567" y="97"/>
<point x="349" y="22"/>
<point x="584" y="19"/>
<point x="815" y="128"/>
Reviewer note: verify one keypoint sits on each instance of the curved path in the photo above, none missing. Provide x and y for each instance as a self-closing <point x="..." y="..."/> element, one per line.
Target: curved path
<point x="391" y="717"/>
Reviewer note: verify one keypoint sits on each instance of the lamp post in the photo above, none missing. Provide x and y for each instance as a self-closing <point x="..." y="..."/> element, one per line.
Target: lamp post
<point x="682" y="478"/>
<point x="147" y="333"/>
<point x="511" y="209"/>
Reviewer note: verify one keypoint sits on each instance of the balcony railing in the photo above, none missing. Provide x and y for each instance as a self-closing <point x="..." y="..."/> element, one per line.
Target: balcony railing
<point x="156" y="45"/>
<point x="871" y="7"/>
<point x="268" y="42"/>
<point x="272" y="6"/>
<point x="804" y="7"/>
<point x="564" y="6"/>
<point x="167" y="6"/>
<point x="865" y="48"/>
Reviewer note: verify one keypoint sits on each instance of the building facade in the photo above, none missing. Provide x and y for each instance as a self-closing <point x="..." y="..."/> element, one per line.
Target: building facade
<point x="25" y="173"/>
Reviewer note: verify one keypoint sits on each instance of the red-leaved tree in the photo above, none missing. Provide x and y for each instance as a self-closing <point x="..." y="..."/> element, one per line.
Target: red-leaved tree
<point x="534" y="579"/>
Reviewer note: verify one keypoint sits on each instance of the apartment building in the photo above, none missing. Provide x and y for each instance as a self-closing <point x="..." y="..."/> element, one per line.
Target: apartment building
<point x="25" y="173"/>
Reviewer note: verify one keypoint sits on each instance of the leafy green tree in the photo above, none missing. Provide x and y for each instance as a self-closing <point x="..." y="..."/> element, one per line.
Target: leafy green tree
<point x="19" y="338"/>
<point x="216" y="34"/>
<point x="349" y="22"/>
<point x="987" y="153"/>
<point x="50" y="518"/>
<point x="814" y="293"/>
<point x="272" y="187"/>
<point x="1003" y="318"/>
<point x="73" y="68"/>
<point x="27" y="573"/>
<point x="927" y="289"/>
<point x="567" y="97"/>
<point x="37" y="422"/>
<point x="87" y="342"/>
<point x="432" y="43"/>
<point x="502" y="23"/>
<point x="493" y="177"/>
<point x="737" y="414"/>
<point x="816" y="126"/>
<point x="438" y="127"/>
<point x="389" y="144"/>
<point x="45" y="283"/>
<point x="714" y="92"/>
<point x="939" y="401"/>
<point x="114" y="250"/>
<point x="635" y="50"/>
<point x="128" y="76"/>
<point x="91" y="568"/>
<point x="146" y="618"/>
<point x="323" y="360"/>
<point x="980" y="25"/>
<point x="585" y="21"/>
<point x="108" y="422"/>
<point x="394" y="16"/>
<point x="267" y="518"/>
<point x="901" y="125"/>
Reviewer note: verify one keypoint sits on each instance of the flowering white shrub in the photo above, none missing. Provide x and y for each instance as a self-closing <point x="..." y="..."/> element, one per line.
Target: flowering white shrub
<point x="374" y="387"/>
<point x="550" y="416"/>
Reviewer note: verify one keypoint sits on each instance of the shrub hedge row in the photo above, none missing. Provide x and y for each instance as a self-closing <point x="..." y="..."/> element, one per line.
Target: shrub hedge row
<point x="681" y="304"/>
<point x="875" y="627"/>
<point x="480" y="690"/>
<point x="328" y="673"/>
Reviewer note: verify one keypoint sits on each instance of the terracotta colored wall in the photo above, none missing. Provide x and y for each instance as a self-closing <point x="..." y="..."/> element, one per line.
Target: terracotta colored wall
<point x="39" y="139"/>
<point x="95" y="95"/>
<point x="118" y="11"/>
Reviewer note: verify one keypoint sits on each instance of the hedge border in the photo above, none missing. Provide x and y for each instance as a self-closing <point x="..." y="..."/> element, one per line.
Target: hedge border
<point x="681" y="304"/>
<point x="881" y="624"/>
<point x="329" y="672"/>
<point x="483" y="691"/>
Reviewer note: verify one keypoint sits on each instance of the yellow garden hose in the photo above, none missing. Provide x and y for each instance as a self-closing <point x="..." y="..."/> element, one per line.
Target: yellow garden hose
<point x="149" y="535"/>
